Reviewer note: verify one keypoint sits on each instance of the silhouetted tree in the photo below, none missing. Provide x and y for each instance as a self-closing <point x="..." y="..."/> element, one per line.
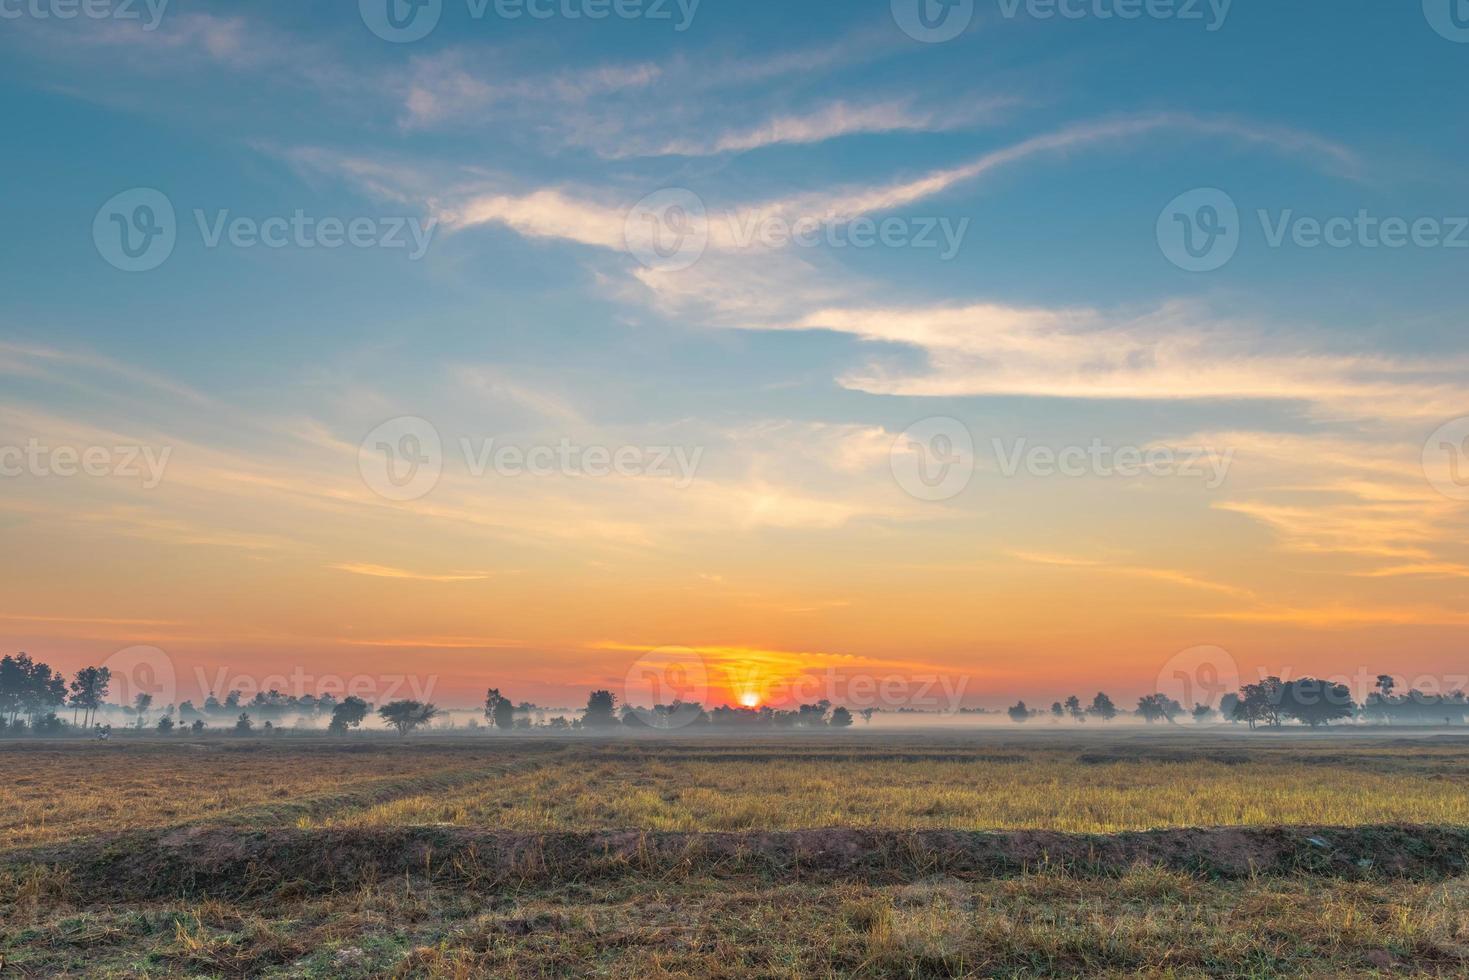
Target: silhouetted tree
<point x="499" y="710"/>
<point x="1229" y="708"/>
<point x="1202" y="713"/>
<point x="601" y="710"/>
<point x="1057" y="712"/>
<point x="841" y="718"/>
<point x="1019" y="713"/>
<point x="29" y="688"/>
<point x="243" y="724"/>
<point x="1074" y="709"/>
<point x="1158" y="707"/>
<point x="867" y="714"/>
<point x="1259" y="704"/>
<point x="1102" y="707"/>
<point x="89" y="691"/>
<point x="15" y="673"/>
<point x="405" y="716"/>
<point x="141" y="704"/>
<point x="165" y="725"/>
<point x="348" y="714"/>
<point x="1313" y="702"/>
<point x="813" y="715"/>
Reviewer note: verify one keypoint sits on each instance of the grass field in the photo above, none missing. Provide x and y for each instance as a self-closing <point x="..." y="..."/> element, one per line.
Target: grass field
<point x="715" y="856"/>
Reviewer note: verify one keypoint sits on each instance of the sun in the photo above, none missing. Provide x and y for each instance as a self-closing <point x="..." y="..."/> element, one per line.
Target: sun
<point x="750" y="699"/>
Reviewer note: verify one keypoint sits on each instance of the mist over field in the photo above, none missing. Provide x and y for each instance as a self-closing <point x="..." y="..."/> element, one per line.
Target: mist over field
<point x="734" y="489"/>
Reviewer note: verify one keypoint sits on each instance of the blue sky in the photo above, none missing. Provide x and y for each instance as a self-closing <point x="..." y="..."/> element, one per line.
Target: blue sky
<point x="527" y="145"/>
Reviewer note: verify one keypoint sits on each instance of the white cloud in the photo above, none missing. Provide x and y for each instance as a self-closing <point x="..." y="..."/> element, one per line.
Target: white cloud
<point x="1175" y="353"/>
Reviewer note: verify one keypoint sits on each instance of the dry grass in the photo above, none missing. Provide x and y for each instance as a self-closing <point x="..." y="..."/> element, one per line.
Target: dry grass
<point x="60" y="793"/>
<point x="1147" y="921"/>
<point x="1045" y="791"/>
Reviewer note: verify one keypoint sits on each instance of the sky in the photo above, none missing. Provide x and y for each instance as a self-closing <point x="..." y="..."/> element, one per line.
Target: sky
<point x="755" y="351"/>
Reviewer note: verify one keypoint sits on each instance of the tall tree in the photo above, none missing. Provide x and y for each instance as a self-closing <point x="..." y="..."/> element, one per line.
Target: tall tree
<point x="1259" y="704"/>
<point x="1103" y="707"/>
<point x="88" y="692"/>
<point x="1313" y="702"/>
<point x="405" y="716"/>
<point x="1158" y="707"/>
<point x="349" y="713"/>
<point x="29" y="688"/>
<point x="15" y="679"/>
<point x="45" y="693"/>
<point x="499" y="709"/>
<point x="601" y="710"/>
<point x="141" y="704"/>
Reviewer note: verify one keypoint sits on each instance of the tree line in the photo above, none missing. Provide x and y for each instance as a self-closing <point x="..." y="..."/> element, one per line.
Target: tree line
<point x="1273" y="702"/>
<point x="604" y="712"/>
<point x="33" y="698"/>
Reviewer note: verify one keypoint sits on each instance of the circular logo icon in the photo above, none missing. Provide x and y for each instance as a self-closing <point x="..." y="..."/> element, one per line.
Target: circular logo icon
<point x="139" y="671"/>
<point x="668" y="230"/>
<point x="1449" y="17"/>
<point x="1199" y="675"/>
<point x="136" y="230"/>
<point x="933" y="459"/>
<point x="1200" y="231"/>
<point x="1446" y="459"/>
<point x="402" y="459"/>
<point x="933" y="21"/>
<point x="401" y="21"/>
<point x="667" y="687"/>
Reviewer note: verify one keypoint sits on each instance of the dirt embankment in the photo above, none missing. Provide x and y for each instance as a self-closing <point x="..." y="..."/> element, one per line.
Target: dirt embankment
<point x="233" y="862"/>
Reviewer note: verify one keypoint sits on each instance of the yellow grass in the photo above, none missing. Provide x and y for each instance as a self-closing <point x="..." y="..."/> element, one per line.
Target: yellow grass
<point x="1047" y="792"/>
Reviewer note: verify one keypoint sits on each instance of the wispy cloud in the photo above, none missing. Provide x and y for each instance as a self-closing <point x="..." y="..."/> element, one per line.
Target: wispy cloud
<point x="1169" y="575"/>
<point x="452" y="87"/>
<point x="831" y="121"/>
<point x="1344" y="616"/>
<point x="1178" y="352"/>
<point x="847" y="203"/>
<point x="384" y="571"/>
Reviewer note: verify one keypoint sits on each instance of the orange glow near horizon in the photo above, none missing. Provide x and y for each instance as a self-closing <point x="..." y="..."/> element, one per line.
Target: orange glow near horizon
<point x="248" y="569"/>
